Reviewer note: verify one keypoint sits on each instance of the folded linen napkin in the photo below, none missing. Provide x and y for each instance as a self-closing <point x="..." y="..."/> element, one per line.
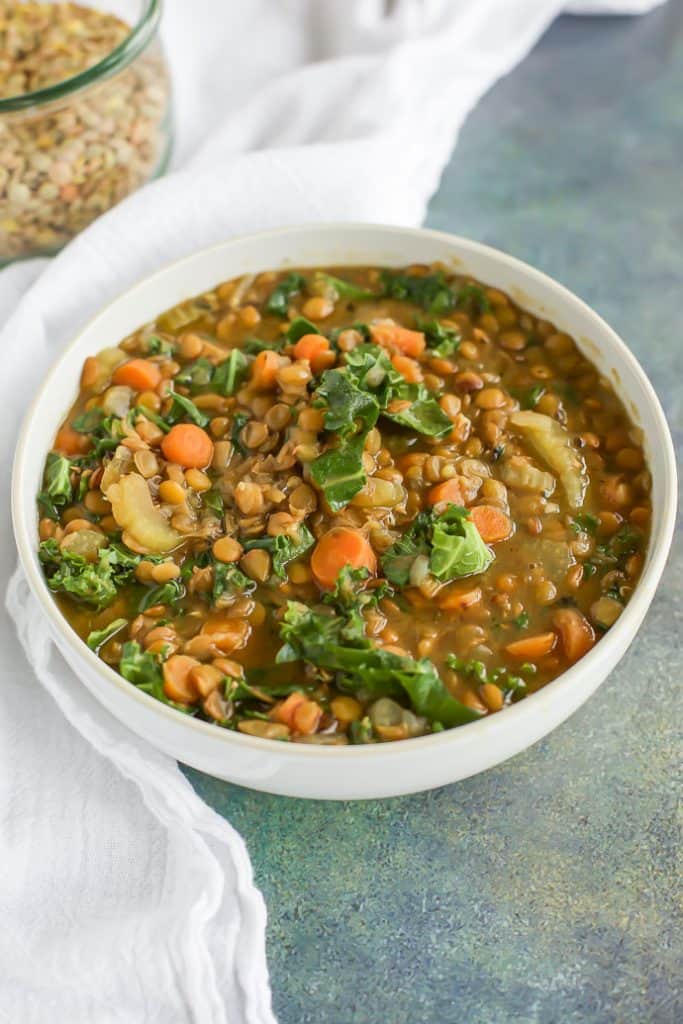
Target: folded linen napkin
<point x="124" y="897"/>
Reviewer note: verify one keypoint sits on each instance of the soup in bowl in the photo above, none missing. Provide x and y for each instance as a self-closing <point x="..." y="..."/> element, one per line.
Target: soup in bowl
<point x="345" y="505"/>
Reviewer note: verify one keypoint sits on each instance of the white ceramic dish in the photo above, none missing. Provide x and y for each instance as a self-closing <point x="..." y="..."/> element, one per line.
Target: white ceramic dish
<point x="380" y="770"/>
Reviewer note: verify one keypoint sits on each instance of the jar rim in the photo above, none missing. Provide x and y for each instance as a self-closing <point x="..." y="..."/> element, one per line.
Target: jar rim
<point x="120" y="57"/>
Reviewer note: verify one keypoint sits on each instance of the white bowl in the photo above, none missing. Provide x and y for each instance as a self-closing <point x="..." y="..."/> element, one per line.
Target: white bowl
<point x="353" y="772"/>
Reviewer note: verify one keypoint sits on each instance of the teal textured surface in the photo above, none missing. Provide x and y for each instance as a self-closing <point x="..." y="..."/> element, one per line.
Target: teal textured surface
<point x="549" y="889"/>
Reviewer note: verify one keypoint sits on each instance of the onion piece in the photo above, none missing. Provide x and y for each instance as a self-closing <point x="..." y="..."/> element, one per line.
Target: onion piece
<point x="554" y="444"/>
<point x="136" y="513"/>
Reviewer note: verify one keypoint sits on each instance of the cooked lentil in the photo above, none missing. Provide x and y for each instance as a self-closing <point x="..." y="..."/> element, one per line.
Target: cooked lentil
<point x="374" y="559"/>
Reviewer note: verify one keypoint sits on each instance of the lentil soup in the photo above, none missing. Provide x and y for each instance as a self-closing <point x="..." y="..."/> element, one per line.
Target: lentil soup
<point x="344" y="506"/>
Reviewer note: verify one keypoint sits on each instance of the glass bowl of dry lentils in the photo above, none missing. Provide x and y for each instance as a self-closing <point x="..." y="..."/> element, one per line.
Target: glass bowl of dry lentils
<point x="84" y="115"/>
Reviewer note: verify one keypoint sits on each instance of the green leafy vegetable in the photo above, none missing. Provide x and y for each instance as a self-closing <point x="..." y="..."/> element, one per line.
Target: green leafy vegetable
<point x="457" y="547"/>
<point x="157" y="346"/>
<point x="230" y="373"/>
<point x="298" y="327"/>
<point x="214" y="501"/>
<point x="57" y="490"/>
<point x="339" y="473"/>
<point x="229" y="582"/>
<point x="283" y="293"/>
<point x="88" y="421"/>
<point x="530" y="399"/>
<point x="424" y="414"/>
<point x="148" y="414"/>
<point x="450" y="540"/>
<point x="350" y="409"/>
<point x="340" y="289"/>
<point x="98" y="637"/>
<point x="473" y="298"/>
<point x="585" y="522"/>
<point x="441" y="341"/>
<point x="521" y="621"/>
<point x="239" y="420"/>
<point x="93" y="583"/>
<point x="169" y="593"/>
<point x="283" y="549"/>
<point x="143" y="669"/>
<point x="337" y="643"/>
<point x="184" y="408"/>
<point x="252" y="346"/>
<point x="505" y="680"/>
<point x="430" y="291"/>
<point x="196" y="375"/>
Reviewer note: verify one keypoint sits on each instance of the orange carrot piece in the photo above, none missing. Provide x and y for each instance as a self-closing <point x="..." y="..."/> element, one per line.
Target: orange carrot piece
<point x="139" y="374"/>
<point x="264" y="370"/>
<point x="449" y="490"/>
<point x="337" y="548"/>
<point x="530" y="648"/>
<point x="408" y="368"/>
<point x="69" y="442"/>
<point x="458" y="600"/>
<point x="284" y="711"/>
<point x="316" y="349"/>
<point x="401" y="339"/>
<point x="576" y="633"/>
<point x="493" y="524"/>
<point x="306" y="717"/>
<point x="188" y="445"/>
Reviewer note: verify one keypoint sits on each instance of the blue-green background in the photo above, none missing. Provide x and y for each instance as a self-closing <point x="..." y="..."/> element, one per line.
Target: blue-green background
<point x="547" y="891"/>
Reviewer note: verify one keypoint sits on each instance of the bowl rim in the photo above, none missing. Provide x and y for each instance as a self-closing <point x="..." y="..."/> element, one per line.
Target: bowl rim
<point x="553" y="693"/>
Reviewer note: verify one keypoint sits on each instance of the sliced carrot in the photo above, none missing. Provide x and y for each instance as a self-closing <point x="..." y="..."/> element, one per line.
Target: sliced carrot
<point x="188" y="445"/>
<point x="458" y="600"/>
<point x="69" y="442"/>
<point x="530" y="648"/>
<point x="401" y="339"/>
<point x="264" y="370"/>
<point x="284" y="711"/>
<point x="576" y="633"/>
<point x="316" y="349"/>
<point x="178" y="682"/>
<point x="408" y="368"/>
<point x="139" y="374"/>
<point x="337" y="548"/>
<point x="306" y="717"/>
<point x="449" y="490"/>
<point x="493" y="525"/>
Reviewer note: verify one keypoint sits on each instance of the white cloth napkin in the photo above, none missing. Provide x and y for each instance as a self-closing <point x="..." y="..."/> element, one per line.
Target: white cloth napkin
<point x="124" y="897"/>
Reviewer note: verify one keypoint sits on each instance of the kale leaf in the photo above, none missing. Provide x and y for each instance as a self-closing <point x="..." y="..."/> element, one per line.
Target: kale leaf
<point x="93" y="583"/>
<point x="229" y="374"/>
<point x="57" y="491"/>
<point x="283" y="549"/>
<point x="350" y="409"/>
<point x="339" y="473"/>
<point x="431" y="291"/>
<point x="341" y="289"/>
<point x="298" y="327"/>
<point x="450" y="540"/>
<point x="442" y="342"/>
<point x="182" y="408"/>
<point x="196" y="375"/>
<point x="283" y="293"/>
<point x="336" y="642"/>
<point x="98" y="637"/>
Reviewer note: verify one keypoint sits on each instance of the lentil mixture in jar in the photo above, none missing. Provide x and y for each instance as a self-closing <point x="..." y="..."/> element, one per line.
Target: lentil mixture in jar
<point x="342" y="507"/>
<point x="76" y="135"/>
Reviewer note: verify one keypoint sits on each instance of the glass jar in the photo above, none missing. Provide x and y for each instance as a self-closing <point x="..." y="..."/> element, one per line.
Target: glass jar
<point x="71" y="151"/>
